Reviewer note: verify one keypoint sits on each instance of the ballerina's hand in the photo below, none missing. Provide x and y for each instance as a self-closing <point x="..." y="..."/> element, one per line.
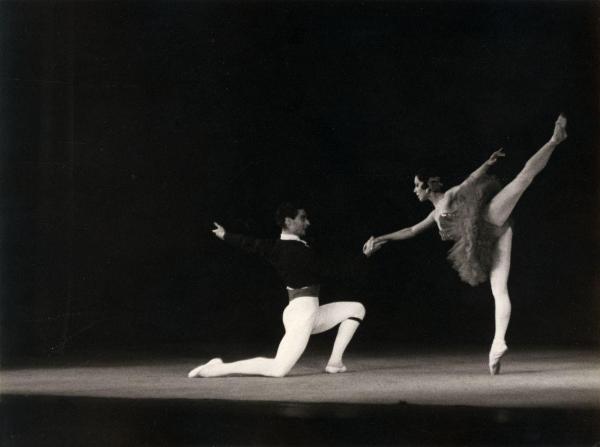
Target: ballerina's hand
<point x="378" y="243"/>
<point x="219" y="231"/>
<point x="372" y="245"/>
<point x="495" y="156"/>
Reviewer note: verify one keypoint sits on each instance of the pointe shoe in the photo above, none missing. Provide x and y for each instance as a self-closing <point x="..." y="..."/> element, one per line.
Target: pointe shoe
<point x="494" y="359"/>
<point x="196" y="371"/>
<point x="334" y="369"/>
<point x="560" y="129"/>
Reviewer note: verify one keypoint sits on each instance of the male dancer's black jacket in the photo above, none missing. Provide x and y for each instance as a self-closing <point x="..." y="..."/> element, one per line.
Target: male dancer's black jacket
<point x="296" y="263"/>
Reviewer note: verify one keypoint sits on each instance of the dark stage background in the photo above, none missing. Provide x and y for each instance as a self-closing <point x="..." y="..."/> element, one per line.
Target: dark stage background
<point x="127" y="129"/>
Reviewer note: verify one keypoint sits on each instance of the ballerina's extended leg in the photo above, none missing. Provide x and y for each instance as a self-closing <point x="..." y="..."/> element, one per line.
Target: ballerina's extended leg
<point x="503" y="203"/>
<point x="498" y="212"/>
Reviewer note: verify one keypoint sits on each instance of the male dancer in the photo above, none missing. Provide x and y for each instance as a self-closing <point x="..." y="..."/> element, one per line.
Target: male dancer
<point x="298" y="266"/>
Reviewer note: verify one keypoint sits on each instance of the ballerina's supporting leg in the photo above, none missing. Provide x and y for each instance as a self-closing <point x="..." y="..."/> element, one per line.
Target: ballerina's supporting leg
<point x="503" y="203"/>
<point x="502" y="307"/>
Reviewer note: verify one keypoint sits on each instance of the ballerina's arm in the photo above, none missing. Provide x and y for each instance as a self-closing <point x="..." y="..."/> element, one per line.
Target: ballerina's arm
<point x="407" y="233"/>
<point x="375" y="243"/>
<point x="481" y="170"/>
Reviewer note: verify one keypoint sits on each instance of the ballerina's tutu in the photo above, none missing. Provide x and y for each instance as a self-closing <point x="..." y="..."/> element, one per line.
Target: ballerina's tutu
<point x="474" y="237"/>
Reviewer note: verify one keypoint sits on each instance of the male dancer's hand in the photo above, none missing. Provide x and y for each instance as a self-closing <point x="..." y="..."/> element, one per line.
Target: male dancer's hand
<point x="219" y="231"/>
<point x="368" y="247"/>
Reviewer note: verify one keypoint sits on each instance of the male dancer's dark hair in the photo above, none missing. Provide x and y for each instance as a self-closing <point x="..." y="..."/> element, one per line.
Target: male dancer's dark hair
<point x="286" y="209"/>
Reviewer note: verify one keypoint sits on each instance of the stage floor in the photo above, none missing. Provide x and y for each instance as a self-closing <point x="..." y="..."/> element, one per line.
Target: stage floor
<point x="398" y="397"/>
<point x="530" y="378"/>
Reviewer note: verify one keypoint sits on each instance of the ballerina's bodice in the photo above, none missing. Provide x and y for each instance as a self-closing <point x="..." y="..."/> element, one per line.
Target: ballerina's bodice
<point x="447" y="216"/>
<point x="447" y="225"/>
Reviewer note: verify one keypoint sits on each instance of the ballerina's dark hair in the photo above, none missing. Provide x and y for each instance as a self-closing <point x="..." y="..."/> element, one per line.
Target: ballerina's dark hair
<point x="430" y="181"/>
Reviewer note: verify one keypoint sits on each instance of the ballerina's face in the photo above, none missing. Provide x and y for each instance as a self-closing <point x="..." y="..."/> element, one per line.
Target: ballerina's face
<point x="421" y="190"/>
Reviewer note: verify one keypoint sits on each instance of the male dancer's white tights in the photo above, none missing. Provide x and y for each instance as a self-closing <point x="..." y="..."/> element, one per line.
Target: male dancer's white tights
<point x="302" y="317"/>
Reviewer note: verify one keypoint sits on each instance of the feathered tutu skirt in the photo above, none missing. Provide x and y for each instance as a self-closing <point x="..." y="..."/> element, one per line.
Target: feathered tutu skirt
<point x="472" y="254"/>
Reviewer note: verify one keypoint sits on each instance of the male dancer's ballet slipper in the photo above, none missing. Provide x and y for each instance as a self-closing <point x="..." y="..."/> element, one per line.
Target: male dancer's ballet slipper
<point x="495" y="355"/>
<point x="334" y="369"/>
<point x="196" y="371"/>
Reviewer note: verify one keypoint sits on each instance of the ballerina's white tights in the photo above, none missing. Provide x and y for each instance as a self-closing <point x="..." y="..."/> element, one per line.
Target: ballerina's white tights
<point x="498" y="212"/>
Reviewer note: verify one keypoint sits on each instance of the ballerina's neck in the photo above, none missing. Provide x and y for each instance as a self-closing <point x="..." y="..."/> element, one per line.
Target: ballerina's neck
<point x="436" y="198"/>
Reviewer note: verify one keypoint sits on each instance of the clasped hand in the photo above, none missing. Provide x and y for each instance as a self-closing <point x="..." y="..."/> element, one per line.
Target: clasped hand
<point x="372" y="245"/>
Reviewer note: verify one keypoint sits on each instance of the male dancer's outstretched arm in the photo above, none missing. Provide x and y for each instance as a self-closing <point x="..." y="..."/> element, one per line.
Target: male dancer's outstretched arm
<point x="261" y="247"/>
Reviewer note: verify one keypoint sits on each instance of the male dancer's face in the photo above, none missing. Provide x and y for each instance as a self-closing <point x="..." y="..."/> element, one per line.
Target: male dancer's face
<point x="298" y="224"/>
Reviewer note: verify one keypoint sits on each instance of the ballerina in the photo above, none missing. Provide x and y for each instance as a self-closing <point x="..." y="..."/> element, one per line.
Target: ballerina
<point x="476" y="216"/>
